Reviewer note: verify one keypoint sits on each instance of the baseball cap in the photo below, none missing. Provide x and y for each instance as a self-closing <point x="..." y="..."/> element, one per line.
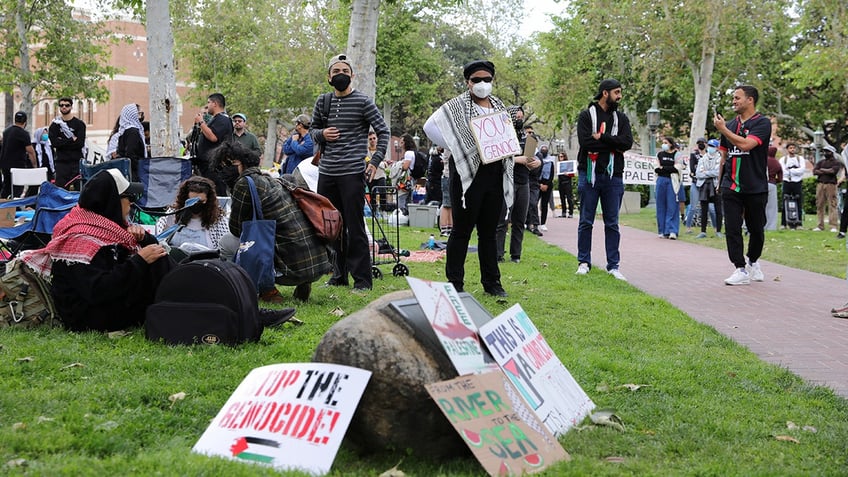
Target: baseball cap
<point x="240" y="115"/>
<point x="302" y="119"/>
<point x="20" y="117"/>
<point x="713" y="143"/>
<point x="478" y="65"/>
<point x="341" y="58"/>
<point x="700" y="139"/>
<point x="125" y="187"/>
<point x="607" y="85"/>
<point x="828" y="147"/>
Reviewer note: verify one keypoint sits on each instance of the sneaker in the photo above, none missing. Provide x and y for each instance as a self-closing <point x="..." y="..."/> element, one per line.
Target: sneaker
<point x="271" y="296"/>
<point x="544" y="228"/>
<point x="840" y="235"/>
<point x="661" y="236"/>
<point x="617" y="274"/>
<point x="270" y="318"/>
<point x="719" y="235"/>
<point x="495" y="290"/>
<point x="582" y="269"/>
<point x="570" y="216"/>
<point x="701" y="235"/>
<point x="755" y="272"/>
<point x="515" y="260"/>
<point x="739" y="277"/>
<point x="832" y="229"/>
<point x="840" y="312"/>
<point x="817" y="229"/>
<point x="672" y="236"/>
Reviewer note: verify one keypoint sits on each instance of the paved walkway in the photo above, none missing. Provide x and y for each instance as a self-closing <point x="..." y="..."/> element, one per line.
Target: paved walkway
<point x="785" y="320"/>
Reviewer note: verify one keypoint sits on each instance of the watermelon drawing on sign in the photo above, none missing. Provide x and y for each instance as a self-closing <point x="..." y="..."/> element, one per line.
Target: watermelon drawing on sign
<point x="504" y="469"/>
<point x="473" y="438"/>
<point x="534" y="460"/>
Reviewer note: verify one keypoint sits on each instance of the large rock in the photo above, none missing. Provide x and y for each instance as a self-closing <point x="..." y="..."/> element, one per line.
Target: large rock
<point x="395" y="412"/>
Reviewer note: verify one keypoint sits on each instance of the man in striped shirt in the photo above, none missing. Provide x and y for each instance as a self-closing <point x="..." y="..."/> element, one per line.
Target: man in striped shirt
<point x="340" y="125"/>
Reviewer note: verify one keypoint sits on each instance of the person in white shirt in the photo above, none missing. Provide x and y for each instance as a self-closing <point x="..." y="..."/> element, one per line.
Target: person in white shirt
<point x="794" y="166"/>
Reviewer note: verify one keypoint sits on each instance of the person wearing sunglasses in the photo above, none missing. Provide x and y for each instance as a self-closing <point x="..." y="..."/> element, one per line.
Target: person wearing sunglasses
<point x="104" y="271"/>
<point x="67" y="135"/>
<point x="477" y="189"/>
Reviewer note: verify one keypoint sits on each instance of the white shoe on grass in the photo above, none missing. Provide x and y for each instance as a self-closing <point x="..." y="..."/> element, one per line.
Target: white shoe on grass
<point x="617" y="274"/>
<point x="582" y="269"/>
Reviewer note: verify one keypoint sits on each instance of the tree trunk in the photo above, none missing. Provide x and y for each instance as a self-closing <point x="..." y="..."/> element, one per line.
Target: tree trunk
<point x="23" y="50"/>
<point x="271" y="140"/>
<point x="387" y="113"/>
<point x="703" y="79"/>
<point x="164" y="125"/>
<point x="362" y="45"/>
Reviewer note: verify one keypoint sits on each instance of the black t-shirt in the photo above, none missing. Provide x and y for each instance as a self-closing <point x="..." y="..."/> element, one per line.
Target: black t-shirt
<point x="222" y="126"/>
<point x="15" y="141"/>
<point x="745" y="172"/>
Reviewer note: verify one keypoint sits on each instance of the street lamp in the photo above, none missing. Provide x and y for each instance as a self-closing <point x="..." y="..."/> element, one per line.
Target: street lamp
<point x="653" y="124"/>
<point x="818" y="141"/>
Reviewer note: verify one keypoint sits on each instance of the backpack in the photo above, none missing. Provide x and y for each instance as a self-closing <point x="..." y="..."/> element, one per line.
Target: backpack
<point x="419" y="169"/>
<point x="326" y="220"/>
<point x="26" y="300"/>
<point x="204" y="302"/>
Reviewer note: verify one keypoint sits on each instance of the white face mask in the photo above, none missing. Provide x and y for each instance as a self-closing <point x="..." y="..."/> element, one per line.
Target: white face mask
<point x="482" y="89"/>
<point x="711" y="150"/>
<point x="665" y="146"/>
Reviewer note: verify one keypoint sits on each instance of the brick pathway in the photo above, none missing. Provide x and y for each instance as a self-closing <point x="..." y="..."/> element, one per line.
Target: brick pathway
<point x="784" y="320"/>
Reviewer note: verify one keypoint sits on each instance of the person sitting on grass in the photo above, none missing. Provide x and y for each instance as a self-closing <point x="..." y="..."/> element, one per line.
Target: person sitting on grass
<point x="203" y="223"/>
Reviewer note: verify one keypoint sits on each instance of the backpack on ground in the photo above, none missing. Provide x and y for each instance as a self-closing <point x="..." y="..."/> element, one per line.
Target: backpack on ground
<point x="792" y="210"/>
<point x="419" y="169"/>
<point x="26" y="300"/>
<point x="204" y="302"/>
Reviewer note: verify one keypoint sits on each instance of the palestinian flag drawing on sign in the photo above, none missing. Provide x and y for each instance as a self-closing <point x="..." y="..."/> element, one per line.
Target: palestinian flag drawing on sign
<point x="254" y="449"/>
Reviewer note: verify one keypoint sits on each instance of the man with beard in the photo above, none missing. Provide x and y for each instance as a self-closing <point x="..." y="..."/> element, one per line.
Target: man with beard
<point x="67" y="135"/>
<point x="217" y="131"/>
<point x="340" y="124"/>
<point x="245" y="137"/>
<point x="604" y="134"/>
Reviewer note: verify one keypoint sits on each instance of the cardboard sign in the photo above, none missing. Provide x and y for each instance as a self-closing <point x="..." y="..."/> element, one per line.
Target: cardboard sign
<point x="452" y="323"/>
<point x="502" y="432"/>
<point x="535" y="371"/>
<point x="289" y="416"/>
<point x="495" y="136"/>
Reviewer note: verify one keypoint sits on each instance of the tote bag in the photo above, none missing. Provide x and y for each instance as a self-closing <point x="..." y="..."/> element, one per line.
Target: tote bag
<point x="256" y="245"/>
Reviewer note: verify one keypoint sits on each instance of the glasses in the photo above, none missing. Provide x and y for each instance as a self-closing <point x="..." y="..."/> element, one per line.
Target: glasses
<point x="487" y="79"/>
<point x="65" y="105"/>
<point x="131" y="197"/>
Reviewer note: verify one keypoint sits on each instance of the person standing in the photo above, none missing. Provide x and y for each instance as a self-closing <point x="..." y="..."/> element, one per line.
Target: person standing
<point x="377" y="183"/>
<point x="44" y="152"/>
<point x="245" y="137"/>
<point x="744" y="182"/>
<point x="603" y="134"/>
<point x="775" y="175"/>
<point x="17" y="152"/>
<point x="694" y="195"/>
<point x="532" y="219"/>
<point x="211" y="135"/>
<point x="566" y="189"/>
<point x="827" y="172"/>
<point x="298" y="145"/>
<point x="340" y="125"/>
<point x="706" y="177"/>
<point x="668" y="185"/>
<point x="477" y="190"/>
<point x="67" y="135"/>
<point x="546" y="187"/>
<point x="130" y="137"/>
<point x="794" y="168"/>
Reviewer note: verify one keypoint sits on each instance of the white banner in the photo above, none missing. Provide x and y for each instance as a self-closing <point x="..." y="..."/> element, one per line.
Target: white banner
<point x="639" y="169"/>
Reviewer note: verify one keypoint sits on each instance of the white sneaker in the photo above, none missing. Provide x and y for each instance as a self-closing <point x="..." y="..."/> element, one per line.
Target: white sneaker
<point x="544" y="228"/>
<point x="739" y="277"/>
<point x="833" y="229"/>
<point x="582" y="269"/>
<point x="672" y="236"/>
<point x="755" y="272"/>
<point x="617" y="274"/>
<point x="817" y="229"/>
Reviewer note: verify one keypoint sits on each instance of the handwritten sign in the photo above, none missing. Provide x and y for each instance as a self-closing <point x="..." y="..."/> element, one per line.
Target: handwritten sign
<point x="452" y="323"/>
<point x="505" y="436"/>
<point x="495" y="136"/>
<point x="639" y="169"/>
<point x="535" y="371"/>
<point x="290" y="416"/>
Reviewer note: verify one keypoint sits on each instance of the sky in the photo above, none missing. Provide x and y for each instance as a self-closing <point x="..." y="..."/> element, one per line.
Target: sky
<point x="537" y="15"/>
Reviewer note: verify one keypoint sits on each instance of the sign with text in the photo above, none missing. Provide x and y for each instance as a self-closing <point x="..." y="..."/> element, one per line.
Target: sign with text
<point x="495" y="136"/>
<point x="639" y="169"/>
<point x="290" y="416"/>
<point x="496" y="424"/>
<point x="452" y="323"/>
<point x="535" y="371"/>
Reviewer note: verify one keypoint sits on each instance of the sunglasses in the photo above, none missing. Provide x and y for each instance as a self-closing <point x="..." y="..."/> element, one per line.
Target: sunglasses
<point x="487" y="79"/>
<point x="64" y="105"/>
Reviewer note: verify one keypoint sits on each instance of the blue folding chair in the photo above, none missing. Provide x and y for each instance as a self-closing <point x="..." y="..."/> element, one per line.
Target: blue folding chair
<point x="51" y="204"/>
<point x="161" y="177"/>
<point x="87" y="170"/>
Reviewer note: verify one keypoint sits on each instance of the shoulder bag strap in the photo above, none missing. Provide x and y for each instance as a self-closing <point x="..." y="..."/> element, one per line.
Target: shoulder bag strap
<point x="254" y="196"/>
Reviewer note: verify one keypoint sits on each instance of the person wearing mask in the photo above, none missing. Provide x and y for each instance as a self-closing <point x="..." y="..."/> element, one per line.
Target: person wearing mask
<point x="668" y="185"/>
<point x="546" y="186"/>
<point x="44" y="152"/>
<point x="694" y="157"/>
<point x="203" y="223"/>
<point x="532" y="219"/>
<point x="706" y="178"/>
<point x="775" y="175"/>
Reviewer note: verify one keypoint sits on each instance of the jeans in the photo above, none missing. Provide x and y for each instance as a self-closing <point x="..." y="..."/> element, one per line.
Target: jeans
<point x="771" y="207"/>
<point x="608" y="191"/>
<point x="668" y="212"/>
<point x="751" y="207"/>
<point x="694" y="198"/>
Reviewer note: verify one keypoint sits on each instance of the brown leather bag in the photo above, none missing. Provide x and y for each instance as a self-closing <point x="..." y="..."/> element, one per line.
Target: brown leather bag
<point x="324" y="217"/>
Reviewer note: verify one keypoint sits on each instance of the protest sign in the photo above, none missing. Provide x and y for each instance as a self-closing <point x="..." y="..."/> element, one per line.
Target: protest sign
<point x="495" y="136"/>
<point x="567" y="168"/>
<point x="496" y="424"/>
<point x="639" y="169"/>
<point x="289" y="416"/>
<point x="452" y="324"/>
<point x="535" y="371"/>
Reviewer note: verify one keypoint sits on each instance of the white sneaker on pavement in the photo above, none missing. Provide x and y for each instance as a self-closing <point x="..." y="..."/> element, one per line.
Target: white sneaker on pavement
<point x="672" y="236"/>
<point x="755" y="272"/>
<point x="582" y="269"/>
<point x="543" y="228"/>
<point x="617" y="274"/>
<point x="739" y="277"/>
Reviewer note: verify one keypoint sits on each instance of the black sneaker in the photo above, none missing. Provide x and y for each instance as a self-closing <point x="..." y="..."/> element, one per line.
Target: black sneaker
<point x="495" y="290"/>
<point x="269" y="318"/>
<point x="840" y="235"/>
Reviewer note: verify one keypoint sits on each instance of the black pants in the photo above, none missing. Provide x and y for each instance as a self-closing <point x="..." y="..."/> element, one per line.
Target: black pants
<point x="353" y="253"/>
<point x="482" y="209"/>
<point x="796" y="189"/>
<point x="751" y="207"/>
<point x="67" y="173"/>
<point x="545" y="201"/>
<point x="533" y="207"/>
<point x="515" y="217"/>
<point x="705" y="213"/>
<point x="566" y="194"/>
<point x="843" y="219"/>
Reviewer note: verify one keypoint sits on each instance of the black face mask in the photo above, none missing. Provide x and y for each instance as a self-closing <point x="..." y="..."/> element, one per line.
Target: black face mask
<point x="702" y="146"/>
<point x="518" y="124"/>
<point x="340" y="81"/>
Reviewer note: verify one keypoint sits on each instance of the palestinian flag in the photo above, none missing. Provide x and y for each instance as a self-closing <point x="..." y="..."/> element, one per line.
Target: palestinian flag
<point x="254" y="449"/>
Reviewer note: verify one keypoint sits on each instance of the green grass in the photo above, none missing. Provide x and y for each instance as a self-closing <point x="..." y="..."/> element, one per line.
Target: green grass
<point x="819" y="252"/>
<point x="710" y="407"/>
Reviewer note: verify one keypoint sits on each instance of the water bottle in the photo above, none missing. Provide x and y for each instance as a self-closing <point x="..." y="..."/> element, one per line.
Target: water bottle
<point x="431" y="242"/>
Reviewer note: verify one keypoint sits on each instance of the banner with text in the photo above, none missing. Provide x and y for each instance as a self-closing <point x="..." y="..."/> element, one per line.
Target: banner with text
<point x="535" y="371"/>
<point x="290" y="416"/>
<point x="496" y="424"/>
<point x="495" y="136"/>
<point x="639" y="169"/>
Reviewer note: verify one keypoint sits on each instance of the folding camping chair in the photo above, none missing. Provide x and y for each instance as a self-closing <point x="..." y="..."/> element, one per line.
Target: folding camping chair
<point x="87" y="170"/>
<point x="161" y="177"/>
<point x="51" y="204"/>
<point x="27" y="177"/>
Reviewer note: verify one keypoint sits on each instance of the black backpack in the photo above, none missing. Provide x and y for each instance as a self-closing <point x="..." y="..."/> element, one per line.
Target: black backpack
<point x="419" y="169"/>
<point x="204" y="302"/>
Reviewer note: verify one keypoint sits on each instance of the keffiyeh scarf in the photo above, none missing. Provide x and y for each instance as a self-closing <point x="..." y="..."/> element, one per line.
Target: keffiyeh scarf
<point x="593" y="156"/>
<point x="129" y="119"/>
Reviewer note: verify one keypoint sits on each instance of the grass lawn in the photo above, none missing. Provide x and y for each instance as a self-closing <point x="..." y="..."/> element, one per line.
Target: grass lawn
<point x="819" y="252"/>
<point x="707" y="405"/>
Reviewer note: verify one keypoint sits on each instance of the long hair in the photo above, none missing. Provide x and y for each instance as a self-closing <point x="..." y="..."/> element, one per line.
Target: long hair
<point x="408" y="142"/>
<point x="210" y="212"/>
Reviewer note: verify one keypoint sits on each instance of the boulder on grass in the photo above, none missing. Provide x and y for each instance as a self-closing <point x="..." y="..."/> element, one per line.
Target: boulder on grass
<point x="395" y="413"/>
